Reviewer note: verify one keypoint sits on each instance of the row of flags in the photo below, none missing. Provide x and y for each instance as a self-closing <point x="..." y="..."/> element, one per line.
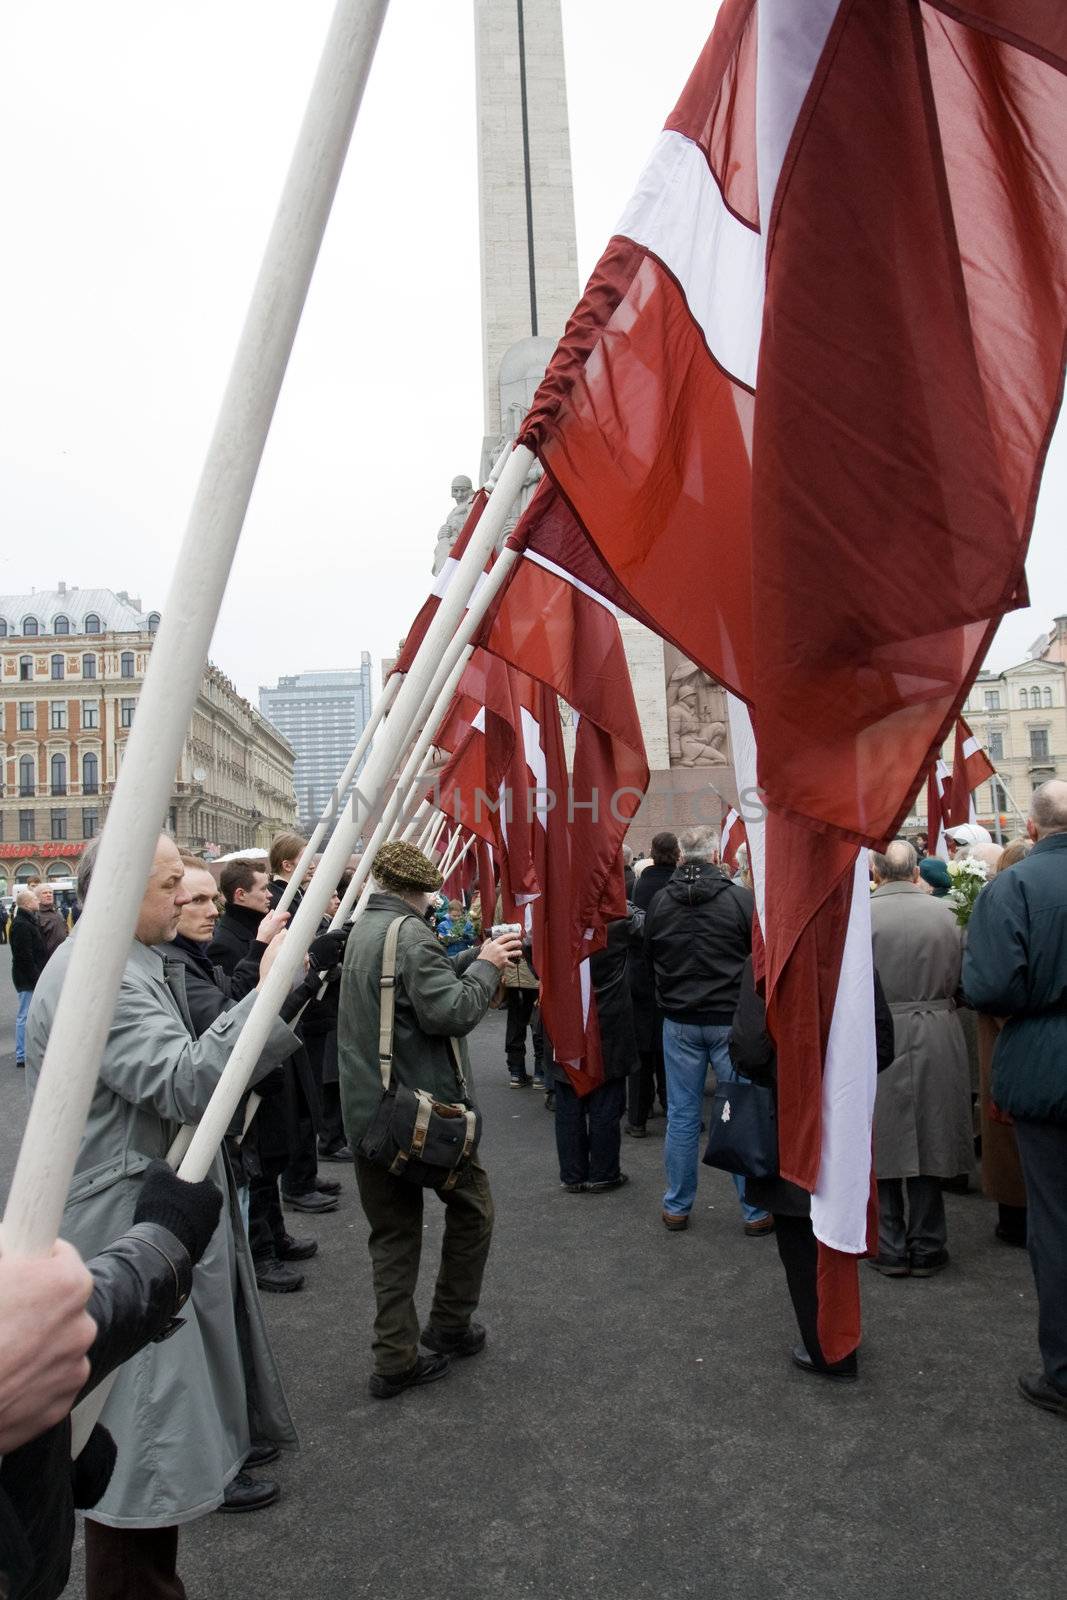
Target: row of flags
<point x="823" y="347"/>
<point x="950" y="791"/>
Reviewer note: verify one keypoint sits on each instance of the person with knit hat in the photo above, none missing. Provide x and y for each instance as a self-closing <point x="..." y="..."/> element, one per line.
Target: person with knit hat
<point x="935" y="875"/>
<point x="438" y="998"/>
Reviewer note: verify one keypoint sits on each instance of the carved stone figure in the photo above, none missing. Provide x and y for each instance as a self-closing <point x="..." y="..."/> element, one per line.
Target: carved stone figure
<point x="696" y="721"/>
<point x="462" y="494"/>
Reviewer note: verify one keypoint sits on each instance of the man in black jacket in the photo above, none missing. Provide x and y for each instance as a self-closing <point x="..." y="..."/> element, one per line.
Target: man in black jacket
<point x="649" y="1079"/>
<point x="698" y="932"/>
<point x="1015" y="966"/>
<point x="138" y="1285"/>
<point x="28" y="956"/>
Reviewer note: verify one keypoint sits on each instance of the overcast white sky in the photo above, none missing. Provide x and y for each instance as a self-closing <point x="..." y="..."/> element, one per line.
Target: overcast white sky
<point x="142" y="148"/>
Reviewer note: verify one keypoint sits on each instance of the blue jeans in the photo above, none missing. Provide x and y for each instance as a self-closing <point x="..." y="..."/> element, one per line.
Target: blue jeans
<point x="689" y="1049"/>
<point x="25" y="996"/>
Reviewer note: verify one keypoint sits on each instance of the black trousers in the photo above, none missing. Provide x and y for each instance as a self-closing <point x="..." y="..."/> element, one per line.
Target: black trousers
<point x="925" y="1231"/>
<point x="799" y="1253"/>
<point x="266" y="1225"/>
<point x="643" y="1085"/>
<point x="1043" y="1154"/>
<point x="588" y="1132"/>
<point x="320" y="1048"/>
<point x="131" y="1563"/>
<point x="520" y="1005"/>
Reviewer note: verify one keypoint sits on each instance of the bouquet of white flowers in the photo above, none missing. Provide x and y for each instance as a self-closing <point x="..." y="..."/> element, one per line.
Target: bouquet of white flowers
<point x="968" y="880"/>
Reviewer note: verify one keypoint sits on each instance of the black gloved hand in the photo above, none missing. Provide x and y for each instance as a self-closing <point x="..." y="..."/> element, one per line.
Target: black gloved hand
<point x="328" y="950"/>
<point x="90" y="1473"/>
<point x="189" y="1210"/>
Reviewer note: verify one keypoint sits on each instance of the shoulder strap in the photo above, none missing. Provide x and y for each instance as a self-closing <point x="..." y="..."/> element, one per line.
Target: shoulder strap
<point x="387" y="987"/>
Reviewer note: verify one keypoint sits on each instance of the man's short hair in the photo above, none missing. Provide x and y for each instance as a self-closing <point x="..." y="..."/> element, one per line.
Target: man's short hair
<point x="285" y="847"/>
<point x="664" y="850"/>
<point x="240" y="875"/>
<point x="627" y="855"/>
<point x="700" y="844"/>
<point x="901" y="860"/>
<point x="24" y="896"/>
<point x="1048" y="807"/>
<point x="86" y="864"/>
<point x="193" y="863"/>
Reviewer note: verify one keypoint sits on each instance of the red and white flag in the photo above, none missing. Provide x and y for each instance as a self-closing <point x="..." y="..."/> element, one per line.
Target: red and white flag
<point x="732" y="836"/>
<point x="971" y="767"/>
<point x="826" y="339"/>
<point x="936" y="791"/>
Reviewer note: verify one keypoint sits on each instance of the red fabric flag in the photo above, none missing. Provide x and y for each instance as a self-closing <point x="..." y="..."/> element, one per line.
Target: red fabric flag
<point x="936" y="821"/>
<point x="828" y="338"/>
<point x="971" y="767"/>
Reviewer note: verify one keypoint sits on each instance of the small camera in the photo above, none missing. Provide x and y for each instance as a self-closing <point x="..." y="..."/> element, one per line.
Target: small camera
<point x="499" y="929"/>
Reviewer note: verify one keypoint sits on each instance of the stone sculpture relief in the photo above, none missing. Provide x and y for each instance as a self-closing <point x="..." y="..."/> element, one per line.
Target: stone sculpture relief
<point x="696" y="715"/>
<point x="449" y="531"/>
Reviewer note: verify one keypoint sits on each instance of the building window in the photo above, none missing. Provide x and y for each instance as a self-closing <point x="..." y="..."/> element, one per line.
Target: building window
<point x="1024" y="699"/>
<point x="27" y="720"/>
<point x="30" y="627"/>
<point x="92" y="623"/>
<point x="90" y="714"/>
<point x="59" y="824"/>
<point x="992" y="699"/>
<point x="25" y="826"/>
<point x="153" y="622"/>
<point x="1047" y="695"/>
<point x="59" y="775"/>
<point x="90" y="774"/>
<point x="61" y="625"/>
<point x="90" y="823"/>
<point x="126" y="664"/>
<point x="3" y="627"/>
<point x="1038" y="744"/>
<point x="995" y="744"/>
<point x="58" y="716"/>
<point x="88" y="666"/>
<point x="27" y="776"/>
<point x="126" y="713"/>
<point x="25" y="669"/>
<point x="57" y="667"/>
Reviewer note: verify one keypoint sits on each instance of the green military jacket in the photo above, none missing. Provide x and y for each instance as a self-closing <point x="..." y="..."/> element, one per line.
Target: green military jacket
<point x="438" y="997"/>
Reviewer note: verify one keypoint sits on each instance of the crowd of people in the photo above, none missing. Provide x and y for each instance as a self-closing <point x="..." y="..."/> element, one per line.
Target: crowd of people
<point x="367" y="1065"/>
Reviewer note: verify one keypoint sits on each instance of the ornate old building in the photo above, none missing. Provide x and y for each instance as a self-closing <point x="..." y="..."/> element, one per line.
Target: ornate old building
<point x="72" y="664"/>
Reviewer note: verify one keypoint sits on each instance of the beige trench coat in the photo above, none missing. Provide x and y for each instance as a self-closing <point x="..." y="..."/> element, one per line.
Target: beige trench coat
<point x="922" y="1115"/>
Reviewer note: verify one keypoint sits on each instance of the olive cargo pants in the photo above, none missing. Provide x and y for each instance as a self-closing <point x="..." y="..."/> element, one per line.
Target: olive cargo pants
<point x="394" y="1210"/>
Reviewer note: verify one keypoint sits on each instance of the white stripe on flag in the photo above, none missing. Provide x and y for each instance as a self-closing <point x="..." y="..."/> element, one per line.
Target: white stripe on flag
<point x="789" y="41"/>
<point x="971" y="747"/>
<point x="850" y="1075"/>
<point x="535" y="760"/>
<point x="678" y="212"/>
<point x="568" y="577"/>
<point x="445" y="576"/>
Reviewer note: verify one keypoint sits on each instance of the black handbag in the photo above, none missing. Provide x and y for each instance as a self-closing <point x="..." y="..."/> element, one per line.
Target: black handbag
<point x="743" y="1136"/>
<point x="413" y="1136"/>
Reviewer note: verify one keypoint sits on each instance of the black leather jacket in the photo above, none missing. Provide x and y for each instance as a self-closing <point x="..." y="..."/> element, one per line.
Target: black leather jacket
<point x="698" y="932"/>
<point x="139" y="1284"/>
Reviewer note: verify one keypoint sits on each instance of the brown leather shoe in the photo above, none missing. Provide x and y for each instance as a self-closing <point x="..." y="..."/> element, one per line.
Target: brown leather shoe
<point x="674" y="1223"/>
<point x="754" y="1230"/>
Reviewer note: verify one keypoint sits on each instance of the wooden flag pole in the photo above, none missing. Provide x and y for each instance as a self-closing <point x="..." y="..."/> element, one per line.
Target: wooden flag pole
<point x="445" y="640"/>
<point x="83" y="1016"/>
<point x="340" y="789"/>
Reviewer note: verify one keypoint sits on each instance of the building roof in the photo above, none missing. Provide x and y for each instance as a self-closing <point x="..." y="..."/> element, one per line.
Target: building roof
<point x="118" y="613"/>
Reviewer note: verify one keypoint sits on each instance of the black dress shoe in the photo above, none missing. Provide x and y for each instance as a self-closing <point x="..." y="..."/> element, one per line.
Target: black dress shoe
<point x="245" y="1493"/>
<point x="427" y="1369"/>
<point x="636" y="1130"/>
<point x="313" y="1202"/>
<point x="262" y="1452"/>
<point x="327" y="1186"/>
<point x="574" y="1188"/>
<point x="454" y="1341"/>
<point x="844" y="1371"/>
<point x="290" y="1249"/>
<point x="1036" y="1388"/>
<point x="927" y="1266"/>
<point x="340" y="1152"/>
<point x="274" y="1277"/>
<point x="607" y="1184"/>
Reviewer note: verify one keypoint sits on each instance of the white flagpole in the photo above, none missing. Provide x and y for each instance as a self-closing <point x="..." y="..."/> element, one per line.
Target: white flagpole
<point x="340" y="789"/>
<point x="419" y="822"/>
<point x="83" y="1016"/>
<point x="446" y="639"/>
<point x="455" y="849"/>
<point x="433" y="833"/>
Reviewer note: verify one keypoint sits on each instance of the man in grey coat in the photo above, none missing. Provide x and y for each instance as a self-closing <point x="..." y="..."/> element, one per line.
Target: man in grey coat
<point x="180" y="1411"/>
<point x="922" y="1113"/>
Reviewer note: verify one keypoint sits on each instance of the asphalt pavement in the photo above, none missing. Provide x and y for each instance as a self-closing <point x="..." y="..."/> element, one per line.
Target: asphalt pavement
<point x="634" y="1427"/>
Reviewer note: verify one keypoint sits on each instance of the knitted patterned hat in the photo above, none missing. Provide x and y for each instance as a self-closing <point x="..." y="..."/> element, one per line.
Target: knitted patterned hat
<point x="399" y="867"/>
